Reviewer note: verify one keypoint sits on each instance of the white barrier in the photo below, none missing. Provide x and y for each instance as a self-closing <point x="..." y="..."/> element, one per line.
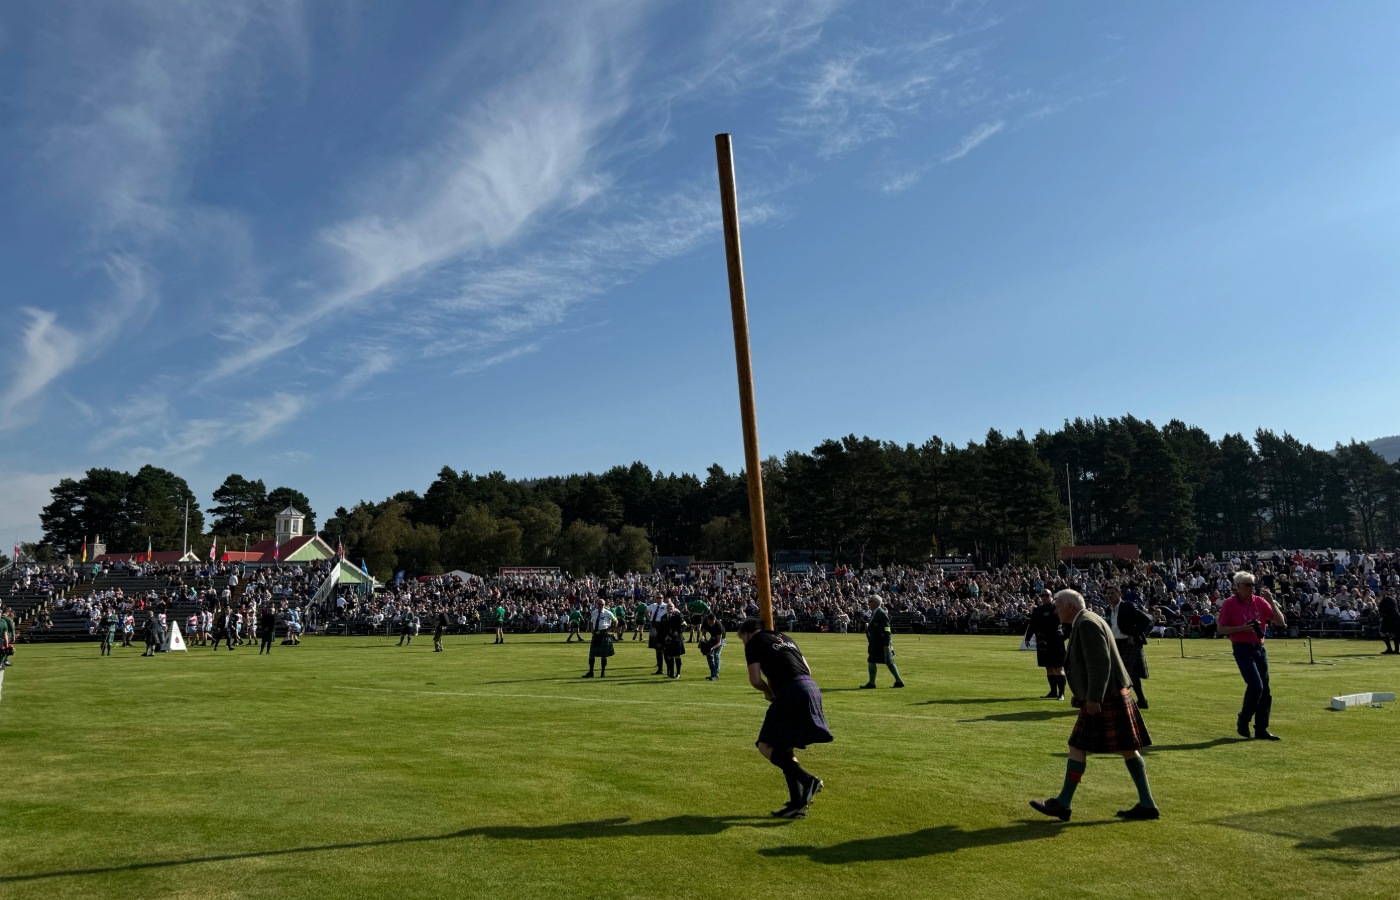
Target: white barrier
<point x="1346" y="700"/>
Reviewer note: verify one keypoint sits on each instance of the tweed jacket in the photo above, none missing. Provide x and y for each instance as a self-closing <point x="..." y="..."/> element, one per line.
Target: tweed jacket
<point x="1093" y="665"/>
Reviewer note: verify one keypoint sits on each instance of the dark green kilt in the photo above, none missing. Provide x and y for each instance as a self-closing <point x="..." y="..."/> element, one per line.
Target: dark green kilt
<point x="602" y="644"/>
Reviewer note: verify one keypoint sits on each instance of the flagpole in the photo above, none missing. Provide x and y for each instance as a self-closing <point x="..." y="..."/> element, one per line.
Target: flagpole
<point x="187" y="529"/>
<point x="738" y="308"/>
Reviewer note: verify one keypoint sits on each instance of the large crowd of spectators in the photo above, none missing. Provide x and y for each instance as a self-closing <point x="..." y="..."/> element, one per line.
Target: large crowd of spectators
<point x="1321" y="592"/>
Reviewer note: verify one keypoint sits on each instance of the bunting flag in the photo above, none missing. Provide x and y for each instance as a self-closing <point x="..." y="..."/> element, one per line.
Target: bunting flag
<point x="211" y="549"/>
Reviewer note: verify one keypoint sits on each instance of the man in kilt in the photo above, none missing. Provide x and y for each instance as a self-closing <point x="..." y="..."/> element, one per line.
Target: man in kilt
<point x="601" y="623"/>
<point x="1045" y="626"/>
<point x="1109" y="721"/>
<point x="795" y="719"/>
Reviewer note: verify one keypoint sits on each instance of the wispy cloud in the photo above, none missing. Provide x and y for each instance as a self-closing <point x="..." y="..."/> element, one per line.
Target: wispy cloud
<point x="49" y="348"/>
<point x="974" y="139"/>
<point x="523" y="149"/>
<point x="149" y="428"/>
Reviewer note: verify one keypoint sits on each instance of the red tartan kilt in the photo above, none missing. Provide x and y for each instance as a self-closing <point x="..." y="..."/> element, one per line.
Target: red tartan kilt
<point x="1117" y="728"/>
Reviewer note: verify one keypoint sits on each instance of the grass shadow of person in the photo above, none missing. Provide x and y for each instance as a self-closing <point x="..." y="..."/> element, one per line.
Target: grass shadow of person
<point x="1030" y="715"/>
<point x="672" y="826"/>
<point x="925" y="842"/>
<point x="977" y="702"/>
<point x="1200" y="745"/>
<point x="1359" y="844"/>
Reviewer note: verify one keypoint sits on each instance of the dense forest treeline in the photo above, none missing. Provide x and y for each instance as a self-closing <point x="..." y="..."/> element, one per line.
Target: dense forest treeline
<point x="1172" y="489"/>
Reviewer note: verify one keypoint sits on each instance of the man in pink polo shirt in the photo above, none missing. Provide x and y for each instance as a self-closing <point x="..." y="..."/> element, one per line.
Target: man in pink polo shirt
<point x="1243" y="617"/>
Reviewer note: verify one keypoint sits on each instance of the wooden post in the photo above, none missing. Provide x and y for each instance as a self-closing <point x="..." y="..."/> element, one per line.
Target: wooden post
<point x="738" y="307"/>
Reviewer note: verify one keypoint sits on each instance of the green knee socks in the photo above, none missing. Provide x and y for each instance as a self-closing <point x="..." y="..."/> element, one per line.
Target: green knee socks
<point x="1074" y="771"/>
<point x="1138" y="769"/>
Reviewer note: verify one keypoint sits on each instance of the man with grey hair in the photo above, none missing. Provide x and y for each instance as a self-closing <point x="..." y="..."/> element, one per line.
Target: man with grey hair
<point x="1242" y="619"/>
<point x="1109" y="721"/>
<point x="879" y="643"/>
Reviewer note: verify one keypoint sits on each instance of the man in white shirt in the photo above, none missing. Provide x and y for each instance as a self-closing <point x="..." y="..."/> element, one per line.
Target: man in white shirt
<point x="600" y="622"/>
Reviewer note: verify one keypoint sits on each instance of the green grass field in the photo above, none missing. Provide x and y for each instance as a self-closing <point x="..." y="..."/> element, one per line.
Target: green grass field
<point x="349" y="767"/>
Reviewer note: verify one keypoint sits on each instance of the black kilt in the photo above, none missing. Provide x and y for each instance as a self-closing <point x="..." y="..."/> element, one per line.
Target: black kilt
<point x="1134" y="657"/>
<point x="1390" y="624"/>
<point x="654" y="639"/>
<point x="875" y="652"/>
<point x="795" y="717"/>
<point x="1049" y="654"/>
<point x="602" y="644"/>
<point x="674" y="645"/>
<point x="1118" y="726"/>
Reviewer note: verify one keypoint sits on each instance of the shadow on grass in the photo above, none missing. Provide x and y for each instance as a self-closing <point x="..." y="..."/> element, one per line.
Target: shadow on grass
<point x="1201" y="745"/>
<point x="926" y="842"/>
<point x="1339" y="831"/>
<point x="976" y="702"/>
<point x="674" y="826"/>
<point x="1030" y="715"/>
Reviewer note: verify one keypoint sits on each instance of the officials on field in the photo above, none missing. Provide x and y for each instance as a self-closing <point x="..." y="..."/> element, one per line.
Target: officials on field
<point x="1049" y="632"/>
<point x="1109" y="721"/>
<point x="600" y="621"/>
<point x="1130" y="627"/>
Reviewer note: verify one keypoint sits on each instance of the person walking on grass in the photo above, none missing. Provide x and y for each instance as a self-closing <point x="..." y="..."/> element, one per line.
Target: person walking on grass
<point x="600" y="622"/>
<point x="879" y="643"/>
<point x="7" y="636"/>
<point x="794" y="720"/>
<point x="107" y="628"/>
<point x="673" y="640"/>
<point x="712" y="644"/>
<point x="1390" y="623"/>
<point x="575" y="624"/>
<point x="267" y="625"/>
<point x="1047" y="629"/>
<point x="439" y="626"/>
<point x="1243" y="617"/>
<point x="1109" y="721"/>
<point x="500" y="624"/>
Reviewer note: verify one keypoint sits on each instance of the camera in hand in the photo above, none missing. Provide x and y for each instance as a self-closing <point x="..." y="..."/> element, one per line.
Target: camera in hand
<point x="1258" y="629"/>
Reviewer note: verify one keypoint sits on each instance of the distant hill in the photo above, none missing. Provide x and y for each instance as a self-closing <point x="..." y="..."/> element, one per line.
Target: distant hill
<point x="1389" y="447"/>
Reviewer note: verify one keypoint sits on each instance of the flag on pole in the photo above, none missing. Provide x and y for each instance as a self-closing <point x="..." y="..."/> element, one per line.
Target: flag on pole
<point x="150" y="554"/>
<point x="364" y="568"/>
<point x="84" y="549"/>
<point x="276" y="548"/>
<point x="224" y="558"/>
<point x="211" y="549"/>
<point x="339" y="549"/>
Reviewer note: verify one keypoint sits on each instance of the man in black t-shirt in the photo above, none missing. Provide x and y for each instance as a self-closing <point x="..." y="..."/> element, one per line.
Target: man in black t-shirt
<point x="794" y="719"/>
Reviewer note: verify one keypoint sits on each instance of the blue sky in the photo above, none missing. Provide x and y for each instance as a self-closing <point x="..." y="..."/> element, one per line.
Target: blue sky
<point x="337" y="246"/>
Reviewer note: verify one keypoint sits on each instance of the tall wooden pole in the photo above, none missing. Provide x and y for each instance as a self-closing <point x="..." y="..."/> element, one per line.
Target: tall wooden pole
<point x="738" y="307"/>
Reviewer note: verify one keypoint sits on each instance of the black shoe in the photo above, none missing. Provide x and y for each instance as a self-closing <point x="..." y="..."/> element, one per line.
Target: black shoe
<point x="657" y="672"/>
<point x="798" y="813"/>
<point x="587" y="675"/>
<point x="1266" y="735"/>
<point x="1142" y="704"/>
<point x="867" y="687"/>
<point x="1242" y="727"/>
<point x="786" y="809"/>
<point x="898" y="684"/>
<point x="1140" y="813"/>
<point x="1050" y="696"/>
<point x="1052" y="808"/>
<point x="814" y="787"/>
